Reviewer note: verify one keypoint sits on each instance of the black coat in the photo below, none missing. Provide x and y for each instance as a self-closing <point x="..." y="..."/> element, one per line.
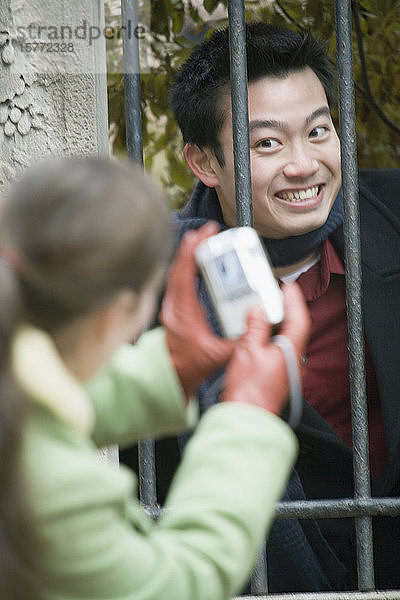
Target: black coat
<point x="307" y="555"/>
<point x="325" y="463"/>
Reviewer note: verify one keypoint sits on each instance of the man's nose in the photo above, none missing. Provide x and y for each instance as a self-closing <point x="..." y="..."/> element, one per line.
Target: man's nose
<point x="300" y="163"/>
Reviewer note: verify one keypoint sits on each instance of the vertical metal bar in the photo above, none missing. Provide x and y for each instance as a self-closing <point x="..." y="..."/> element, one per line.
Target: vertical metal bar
<point x="133" y="114"/>
<point x="134" y="144"/>
<point x="240" y="116"/>
<point x="259" y="578"/>
<point x="147" y="473"/>
<point x="241" y="155"/>
<point x="365" y="561"/>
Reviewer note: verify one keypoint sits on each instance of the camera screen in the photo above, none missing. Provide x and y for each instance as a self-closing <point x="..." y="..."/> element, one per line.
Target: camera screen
<point x="231" y="273"/>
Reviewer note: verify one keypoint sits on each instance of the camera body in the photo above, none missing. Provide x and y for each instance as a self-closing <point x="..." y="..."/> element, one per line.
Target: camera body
<point x="238" y="274"/>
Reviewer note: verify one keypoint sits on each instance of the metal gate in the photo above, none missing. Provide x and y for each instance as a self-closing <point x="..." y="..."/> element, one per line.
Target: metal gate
<point x="362" y="506"/>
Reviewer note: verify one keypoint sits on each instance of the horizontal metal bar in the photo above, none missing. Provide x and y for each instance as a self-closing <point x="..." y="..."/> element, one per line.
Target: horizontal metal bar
<point x="344" y="507"/>
<point x="319" y="509"/>
<point x="384" y="595"/>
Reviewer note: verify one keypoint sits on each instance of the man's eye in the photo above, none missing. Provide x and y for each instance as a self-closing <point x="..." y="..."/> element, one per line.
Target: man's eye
<point x="268" y="143"/>
<point x="319" y="132"/>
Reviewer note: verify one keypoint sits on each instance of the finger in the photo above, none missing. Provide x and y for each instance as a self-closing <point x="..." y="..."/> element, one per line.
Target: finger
<point x="258" y="329"/>
<point x="184" y="266"/>
<point x="206" y="230"/>
<point x="182" y="271"/>
<point x="182" y="277"/>
<point x="297" y="322"/>
<point x="221" y="349"/>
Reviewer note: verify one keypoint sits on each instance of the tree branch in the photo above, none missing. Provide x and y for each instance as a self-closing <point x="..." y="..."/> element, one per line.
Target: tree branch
<point x="279" y="9"/>
<point x="364" y="72"/>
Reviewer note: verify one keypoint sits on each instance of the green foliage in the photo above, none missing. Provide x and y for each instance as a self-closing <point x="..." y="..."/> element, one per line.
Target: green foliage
<point x="177" y="26"/>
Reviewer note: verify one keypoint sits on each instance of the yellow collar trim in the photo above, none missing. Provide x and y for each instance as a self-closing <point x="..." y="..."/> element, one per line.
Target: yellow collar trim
<point x="44" y="377"/>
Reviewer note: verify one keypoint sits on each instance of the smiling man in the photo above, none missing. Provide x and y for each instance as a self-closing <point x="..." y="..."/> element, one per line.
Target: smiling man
<point x="295" y="160"/>
<point x="297" y="209"/>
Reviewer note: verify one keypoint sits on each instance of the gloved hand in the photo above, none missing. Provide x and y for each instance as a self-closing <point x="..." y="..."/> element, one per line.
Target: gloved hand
<point x="256" y="373"/>
<point x="196" y="351"/>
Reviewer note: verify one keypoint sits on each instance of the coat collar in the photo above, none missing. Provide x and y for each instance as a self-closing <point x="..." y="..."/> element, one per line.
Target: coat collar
<point x="43" y="376"/>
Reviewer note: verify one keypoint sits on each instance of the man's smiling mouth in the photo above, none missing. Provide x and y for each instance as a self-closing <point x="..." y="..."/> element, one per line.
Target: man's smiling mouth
<point x="299" y="195"/>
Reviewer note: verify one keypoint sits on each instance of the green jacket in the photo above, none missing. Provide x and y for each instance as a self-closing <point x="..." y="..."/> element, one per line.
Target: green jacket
<point x="97" y="542"/>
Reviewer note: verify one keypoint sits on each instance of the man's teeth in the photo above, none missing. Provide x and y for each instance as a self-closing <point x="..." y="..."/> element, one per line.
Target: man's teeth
<point x="300" y="194"/>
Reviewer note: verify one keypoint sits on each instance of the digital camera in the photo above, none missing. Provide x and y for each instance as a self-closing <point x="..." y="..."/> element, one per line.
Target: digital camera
<point x="237" y="273"/>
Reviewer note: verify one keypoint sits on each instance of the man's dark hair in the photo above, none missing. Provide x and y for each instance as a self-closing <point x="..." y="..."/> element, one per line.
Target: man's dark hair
<point x="272" y="51"/>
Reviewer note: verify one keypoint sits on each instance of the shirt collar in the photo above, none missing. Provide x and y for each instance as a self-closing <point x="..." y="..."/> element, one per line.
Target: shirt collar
<point x="316" y="280"/>
<point x="43" y="376"/>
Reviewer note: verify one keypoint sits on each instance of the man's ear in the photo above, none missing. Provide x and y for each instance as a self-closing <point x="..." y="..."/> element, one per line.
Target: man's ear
<point x="202" y="164"/>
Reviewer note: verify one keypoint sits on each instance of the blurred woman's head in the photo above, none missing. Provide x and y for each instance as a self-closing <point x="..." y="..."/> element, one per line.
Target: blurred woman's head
<point x="79" y="232"/>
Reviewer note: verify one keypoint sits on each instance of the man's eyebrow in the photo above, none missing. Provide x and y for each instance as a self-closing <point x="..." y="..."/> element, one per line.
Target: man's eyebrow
<point x="267" y="124"/>
<point x="275" y="124"/>
<point x="323" y="111"/>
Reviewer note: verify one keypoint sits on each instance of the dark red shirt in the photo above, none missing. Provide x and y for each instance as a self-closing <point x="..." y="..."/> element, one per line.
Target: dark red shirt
<point x="326" y="373"/>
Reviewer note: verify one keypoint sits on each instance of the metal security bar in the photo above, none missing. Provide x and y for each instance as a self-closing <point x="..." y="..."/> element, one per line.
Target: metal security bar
<point x="362" y="507"/>
<point x="240" y="113"/>
<point x="351" y="230"/>
<point x="134" y="144"/>
<point x="131" y="65"/>
<point x="390" y="595"/>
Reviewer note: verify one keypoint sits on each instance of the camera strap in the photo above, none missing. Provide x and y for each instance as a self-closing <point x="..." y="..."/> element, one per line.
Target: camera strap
<point x="295" y="392"/>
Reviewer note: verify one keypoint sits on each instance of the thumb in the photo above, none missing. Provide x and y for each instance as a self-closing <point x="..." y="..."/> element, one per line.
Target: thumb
<point x="258" y="329"/>
<point x="297" y="322"/>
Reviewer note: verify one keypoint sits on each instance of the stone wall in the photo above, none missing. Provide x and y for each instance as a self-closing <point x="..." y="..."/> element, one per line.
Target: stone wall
<point x="53" y="91"/>
<point x="53" y="87"/>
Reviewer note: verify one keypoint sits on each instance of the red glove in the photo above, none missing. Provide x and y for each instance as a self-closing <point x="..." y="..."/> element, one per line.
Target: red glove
<point x="196" y="351"/>
<point x="257" y="372"/>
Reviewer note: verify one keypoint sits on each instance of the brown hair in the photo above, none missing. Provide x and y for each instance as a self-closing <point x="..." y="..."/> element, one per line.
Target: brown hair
<point x="74" y="232"/>
<point x="84" y="229"/>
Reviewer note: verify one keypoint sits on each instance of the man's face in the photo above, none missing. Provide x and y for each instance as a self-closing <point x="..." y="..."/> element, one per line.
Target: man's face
<point x="294" y="154"/>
